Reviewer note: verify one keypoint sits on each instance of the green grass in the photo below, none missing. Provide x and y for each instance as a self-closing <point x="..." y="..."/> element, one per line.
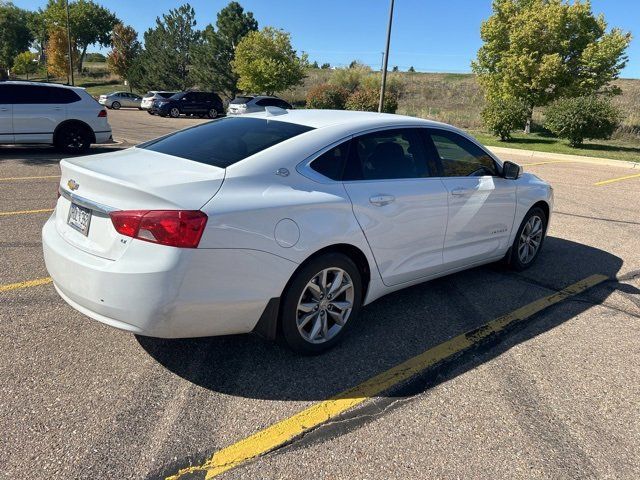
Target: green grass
<point x="617" y="149"/>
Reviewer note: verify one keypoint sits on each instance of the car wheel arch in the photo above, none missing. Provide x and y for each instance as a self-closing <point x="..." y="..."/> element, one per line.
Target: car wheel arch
<point x="269" y="324"/>
<point x="70" y="122"/>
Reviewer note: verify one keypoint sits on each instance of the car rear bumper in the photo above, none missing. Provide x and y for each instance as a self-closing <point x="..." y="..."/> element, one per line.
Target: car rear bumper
<point x="104" y="136"/>
<point x="167" y="292"/>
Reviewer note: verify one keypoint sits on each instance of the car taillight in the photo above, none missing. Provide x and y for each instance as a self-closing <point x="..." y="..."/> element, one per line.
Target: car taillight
<point x="102" y="114"/>
<point x="176" y="228"/>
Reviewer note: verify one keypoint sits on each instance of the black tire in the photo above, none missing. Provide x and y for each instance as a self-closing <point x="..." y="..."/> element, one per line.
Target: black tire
<point x="150" y="112"/>
<point x="174" y="112"/>
<point x="73" y="139"/>
<point x="212" y="113"/>
<point x="116" y="105"/>
<point x="514" y="259"/>
<point x="294" y="292"/>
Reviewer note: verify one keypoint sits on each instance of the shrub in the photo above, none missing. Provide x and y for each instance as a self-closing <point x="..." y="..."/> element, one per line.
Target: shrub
<point x="502" y="116"/>
<point x="368" y="98"/>
<point x="327" y="96"/>
<point x="582" y="117"/>
<point x="349" y="78"/>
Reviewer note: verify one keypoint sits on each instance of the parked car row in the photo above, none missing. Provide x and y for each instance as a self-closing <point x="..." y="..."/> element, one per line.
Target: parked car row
<point x="201" y="104"/>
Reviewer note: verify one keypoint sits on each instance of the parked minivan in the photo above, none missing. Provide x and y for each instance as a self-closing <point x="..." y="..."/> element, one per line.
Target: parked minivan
<point x="47" y="113"/>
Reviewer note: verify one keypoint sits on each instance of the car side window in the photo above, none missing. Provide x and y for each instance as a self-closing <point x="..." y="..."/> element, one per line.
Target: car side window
<point x="387" y="155"/>
<point x="331" y="163"/>
<point x="460" y="157"/>
<point x="282" y="104"/>
<point x="265" y="102"/>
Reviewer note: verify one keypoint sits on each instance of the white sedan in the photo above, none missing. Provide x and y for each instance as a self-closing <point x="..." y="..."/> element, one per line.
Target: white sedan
<point x="283" y="223"/>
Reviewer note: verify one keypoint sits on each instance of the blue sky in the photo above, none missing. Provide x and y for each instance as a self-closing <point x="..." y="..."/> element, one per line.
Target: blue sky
<point x="431" y="35"/>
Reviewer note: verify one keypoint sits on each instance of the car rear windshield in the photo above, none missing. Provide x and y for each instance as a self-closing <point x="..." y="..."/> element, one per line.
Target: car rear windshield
<point x="166" y="94"/>
<point x="241" y="100"/>
<point x="225" y="141"/>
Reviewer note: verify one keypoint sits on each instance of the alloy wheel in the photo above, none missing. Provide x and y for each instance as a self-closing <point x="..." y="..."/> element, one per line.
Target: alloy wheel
<point x="175" y="113"/>
<point x="325" y="305"/>
<point x="530" y="239"/>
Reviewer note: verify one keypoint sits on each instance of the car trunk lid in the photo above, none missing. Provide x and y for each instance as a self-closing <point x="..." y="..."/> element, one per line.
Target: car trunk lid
<point x="132" y="179"/>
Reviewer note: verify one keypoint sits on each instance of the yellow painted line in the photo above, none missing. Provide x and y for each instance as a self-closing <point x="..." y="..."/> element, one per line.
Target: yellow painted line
<point x="545" y="163"/>
<point x="284" y="431"/>
<point x="7" y="179"/>
<point x="25" y="212"/>
<point x="606" y="182"/>
<point x="29" y="283"/>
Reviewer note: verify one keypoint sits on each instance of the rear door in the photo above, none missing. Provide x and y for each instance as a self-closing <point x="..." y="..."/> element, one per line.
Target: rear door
<point x="37" y="111"/>
<point x="6" y="113"/>
<point x="481" y="203"/>
<point x="399" y="204"/>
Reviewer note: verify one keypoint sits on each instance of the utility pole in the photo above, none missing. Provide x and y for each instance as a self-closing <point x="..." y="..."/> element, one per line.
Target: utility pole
<point x="386" y="59"/>
<point x="69" y="45"/>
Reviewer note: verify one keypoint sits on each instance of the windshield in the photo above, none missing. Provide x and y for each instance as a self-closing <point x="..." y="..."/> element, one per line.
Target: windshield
<point x="225" y="141"/>
<point x="240" y="100"/>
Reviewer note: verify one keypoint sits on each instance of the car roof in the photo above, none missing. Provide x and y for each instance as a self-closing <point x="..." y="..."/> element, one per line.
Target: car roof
<point x="40" y="84"/>
<point x="325" y="118"/>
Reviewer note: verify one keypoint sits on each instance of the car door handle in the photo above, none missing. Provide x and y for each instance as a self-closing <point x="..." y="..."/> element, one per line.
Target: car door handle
<point x="57" y="108"/>
<point x="459" y="192"/>
<point x="4" y="109"/>
<point x="381" y="200"/>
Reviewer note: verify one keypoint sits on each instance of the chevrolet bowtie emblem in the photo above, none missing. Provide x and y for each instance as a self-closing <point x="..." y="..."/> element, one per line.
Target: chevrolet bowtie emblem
<point x="73" y="185"/>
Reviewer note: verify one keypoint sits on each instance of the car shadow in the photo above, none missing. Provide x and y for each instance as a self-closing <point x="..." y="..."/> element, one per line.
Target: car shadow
<point x="46" y="155"/>
<point x="395" y="328"/>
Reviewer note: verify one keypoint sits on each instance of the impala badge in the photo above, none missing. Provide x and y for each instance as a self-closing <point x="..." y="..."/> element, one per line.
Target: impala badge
<point x="73" y="185"/>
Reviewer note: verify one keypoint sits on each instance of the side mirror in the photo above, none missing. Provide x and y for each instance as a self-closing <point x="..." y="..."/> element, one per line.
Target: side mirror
<point x="511" y="171"/>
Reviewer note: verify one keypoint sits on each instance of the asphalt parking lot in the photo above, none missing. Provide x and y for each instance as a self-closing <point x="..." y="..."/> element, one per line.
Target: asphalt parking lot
<point x="555" y="395"/>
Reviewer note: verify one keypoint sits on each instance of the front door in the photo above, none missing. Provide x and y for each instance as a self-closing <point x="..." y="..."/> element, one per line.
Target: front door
<point x="481" y="203"/>
<point x="400" y="206"/>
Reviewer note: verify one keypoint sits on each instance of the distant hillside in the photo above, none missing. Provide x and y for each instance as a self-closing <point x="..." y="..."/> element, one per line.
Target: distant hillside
<point x="457" y="98"/>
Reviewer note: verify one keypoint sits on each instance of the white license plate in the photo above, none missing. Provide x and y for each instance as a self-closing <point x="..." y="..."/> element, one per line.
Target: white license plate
<point x="79" y="218"/>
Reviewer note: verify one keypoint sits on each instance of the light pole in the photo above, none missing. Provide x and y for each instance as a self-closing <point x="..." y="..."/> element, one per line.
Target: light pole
<point x="69" y="45"/>
<point x="386" y="59"/>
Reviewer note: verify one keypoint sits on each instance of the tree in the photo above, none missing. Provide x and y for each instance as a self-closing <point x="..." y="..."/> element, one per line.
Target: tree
<point x="166" y="59"/>
<point x="315" y="65"/>
<point x="325" y="66"/>
<point x="25" y="63"/>
<point x="58" y="53"/>
<point x="15" y="35"/>
<point x="411" y="69"/>
<point x="539" y="50"/>
<point x="582" y="117"/>
<point x="211" y="58"/>
<point x="395" y="69"/>
<point x="126" y="49"/>
<point x="266" y="62"/>
<point x="89" y="22"/>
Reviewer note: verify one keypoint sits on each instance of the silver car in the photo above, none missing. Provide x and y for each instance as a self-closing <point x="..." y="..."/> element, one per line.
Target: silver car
<point x="151" y="96"/>
<point x="117" y="100"/>
<point x="251" y="104"/>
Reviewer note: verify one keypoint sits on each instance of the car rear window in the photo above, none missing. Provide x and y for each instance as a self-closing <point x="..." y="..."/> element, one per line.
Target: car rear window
<point x="225" y="141"/>
<point x="241" y="100"/>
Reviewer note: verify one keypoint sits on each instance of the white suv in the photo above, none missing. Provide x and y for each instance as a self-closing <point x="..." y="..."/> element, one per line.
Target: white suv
<point x="46" y="113"/>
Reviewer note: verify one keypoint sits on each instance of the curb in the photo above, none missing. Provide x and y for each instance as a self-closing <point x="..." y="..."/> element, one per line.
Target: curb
<point x="564" y="157"/>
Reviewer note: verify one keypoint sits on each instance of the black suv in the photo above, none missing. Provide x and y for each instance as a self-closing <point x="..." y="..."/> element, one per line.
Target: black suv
<point x="203" y="104"/>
